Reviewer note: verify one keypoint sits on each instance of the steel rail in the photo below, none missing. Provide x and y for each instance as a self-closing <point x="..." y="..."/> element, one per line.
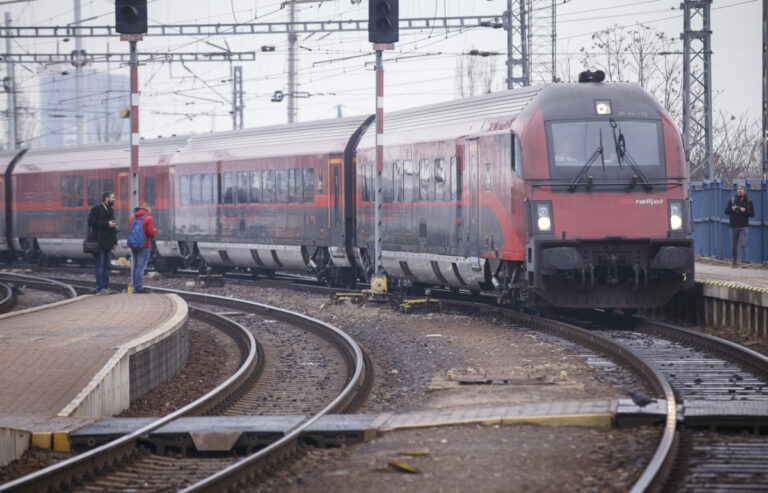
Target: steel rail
<point x="747" y="358"/>
<point x="8" y="301"/>
<point x="656" y="472"/>
<point x="66" y="472"/>
<point x="41" y="283"/>
<point x="358" y="380"/>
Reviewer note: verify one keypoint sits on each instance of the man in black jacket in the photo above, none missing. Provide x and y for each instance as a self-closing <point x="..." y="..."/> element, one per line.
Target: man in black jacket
<point x="103" y="227"/>
<point x="740" y="208"/>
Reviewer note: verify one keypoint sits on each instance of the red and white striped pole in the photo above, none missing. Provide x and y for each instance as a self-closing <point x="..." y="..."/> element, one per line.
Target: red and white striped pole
<point x="134" y="64"/>
<point x="378" y="268"/>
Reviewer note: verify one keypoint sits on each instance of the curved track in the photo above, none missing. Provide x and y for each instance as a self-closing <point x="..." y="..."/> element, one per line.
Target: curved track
<point x="7" y="297"/>
<point x="706" y="372"/>
<point x="212" y="475"/>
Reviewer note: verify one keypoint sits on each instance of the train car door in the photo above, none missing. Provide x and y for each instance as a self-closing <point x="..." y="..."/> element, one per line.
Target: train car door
<point x="123" y="208"/>
<point x="473" y="210"/>
<point x="335" y="205"/>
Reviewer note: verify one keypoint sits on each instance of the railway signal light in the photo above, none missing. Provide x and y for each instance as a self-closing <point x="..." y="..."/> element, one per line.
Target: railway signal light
<point x="131" y="16"/>
<point x="383" y="21"/>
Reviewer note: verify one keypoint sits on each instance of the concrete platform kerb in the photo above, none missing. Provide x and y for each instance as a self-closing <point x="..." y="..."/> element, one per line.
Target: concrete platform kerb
<point x="108" y="392"/>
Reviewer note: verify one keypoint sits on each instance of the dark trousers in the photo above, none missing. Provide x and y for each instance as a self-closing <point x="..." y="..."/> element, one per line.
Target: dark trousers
<point x="102" y="264"/>
<point x="739" y="238"/>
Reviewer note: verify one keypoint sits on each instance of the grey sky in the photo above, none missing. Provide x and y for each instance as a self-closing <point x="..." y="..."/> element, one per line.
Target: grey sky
<point x="336" y="69"/>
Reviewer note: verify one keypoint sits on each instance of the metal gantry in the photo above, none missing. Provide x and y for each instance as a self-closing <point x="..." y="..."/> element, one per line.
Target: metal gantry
<point x="237" y="98"/>
<point x="418" y="23"/>
<point x="89" y="58"/>
<point x="9" y="85"/>
<point x="542" y="40"/>
<point x="516" y="25"/>
<point x="765" y="91"/>
<point x="697" y="89"/>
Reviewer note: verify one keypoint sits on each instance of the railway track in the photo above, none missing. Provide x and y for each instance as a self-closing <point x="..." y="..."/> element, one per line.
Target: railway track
<point x="7" y="297"/>
<point x="123" y="463"/>
<point x="683" y="368"/>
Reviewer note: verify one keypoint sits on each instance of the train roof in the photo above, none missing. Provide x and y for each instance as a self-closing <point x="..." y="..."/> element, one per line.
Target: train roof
<point x="153" y="152"/>
<point x="294" y="139"/>
<point x="497" y="111"/>
<point x="453" y="118"/>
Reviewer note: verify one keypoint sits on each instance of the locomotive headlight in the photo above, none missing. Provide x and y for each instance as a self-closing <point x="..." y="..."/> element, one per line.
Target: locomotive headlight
<point x="543" y="216"/>
<point x="675" y="215"/>
<point x="603" y="107"/>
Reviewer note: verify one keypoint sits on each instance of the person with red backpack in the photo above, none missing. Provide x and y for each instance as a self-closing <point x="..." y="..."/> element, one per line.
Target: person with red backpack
<point x="141" y="230"/>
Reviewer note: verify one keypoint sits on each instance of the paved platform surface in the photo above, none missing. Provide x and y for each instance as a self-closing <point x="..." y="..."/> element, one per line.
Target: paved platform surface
<point x="754" y="275"/>
<point x="48" y="355"/>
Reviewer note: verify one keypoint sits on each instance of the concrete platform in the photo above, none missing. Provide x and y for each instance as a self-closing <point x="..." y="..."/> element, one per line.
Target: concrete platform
<point x="753" y="276"/>
<point x="85" y="357"/>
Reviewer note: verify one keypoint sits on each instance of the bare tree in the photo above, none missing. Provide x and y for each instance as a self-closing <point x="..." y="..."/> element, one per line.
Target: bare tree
<point x="475" y="75"/>
<point x="737" y="147"/>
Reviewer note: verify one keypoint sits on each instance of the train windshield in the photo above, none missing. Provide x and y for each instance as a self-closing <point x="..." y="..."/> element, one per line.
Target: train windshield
<point x="572" y="144"/>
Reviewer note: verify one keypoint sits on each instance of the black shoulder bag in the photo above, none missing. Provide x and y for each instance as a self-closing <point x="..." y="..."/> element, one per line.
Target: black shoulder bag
<point x="91" y="243"/>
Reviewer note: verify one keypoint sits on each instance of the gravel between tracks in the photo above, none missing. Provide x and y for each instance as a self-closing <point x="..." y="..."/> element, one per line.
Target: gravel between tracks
<point x="412" y="355"/>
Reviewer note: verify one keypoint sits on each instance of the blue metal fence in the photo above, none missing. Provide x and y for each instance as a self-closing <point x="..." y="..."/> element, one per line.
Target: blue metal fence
<point x="710" y="223"/>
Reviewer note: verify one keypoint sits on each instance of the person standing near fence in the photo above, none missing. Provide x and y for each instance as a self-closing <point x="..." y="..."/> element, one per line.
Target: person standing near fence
<point x="141" y="230"/>
<point x="740" y="208"/>
<point x="103" y="227"/>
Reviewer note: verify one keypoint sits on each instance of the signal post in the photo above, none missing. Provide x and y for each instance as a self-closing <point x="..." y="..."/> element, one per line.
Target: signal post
<point x="131" y="23"/>
<point x="383" y="33"/>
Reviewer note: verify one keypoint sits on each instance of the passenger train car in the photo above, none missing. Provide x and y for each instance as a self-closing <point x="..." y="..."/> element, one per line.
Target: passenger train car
<point x="569" y="195"/>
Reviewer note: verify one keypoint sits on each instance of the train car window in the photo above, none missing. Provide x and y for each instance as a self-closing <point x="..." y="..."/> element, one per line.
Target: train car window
<point x="282" y="186"/>
<point x="504" y="151"/>
<point x="387" y="182"/>
<point x="196" y="189"/>
<point x="309" y="185"/>
<point x="299" y="194"/>
<point x="292" y="185"/>
<point x="268" y="194"/>
<point x="517" y="155"/>
<point x="149" y="190"/>
<point x="66" y="191"/>
<point x="408" y="179"/>
<point x="364" y="183"/>
<point x="93" y="192"/>
<point x="242" y="187"/>
<point x="487" y="176"/>
<point x="98" y="187"/>
<point x="255" y="187"/>
<point x="320" y="184"/>
<point x="454" y="178"/>
<point x="184" y="189"/>
<point x="440" y="179"/>
<point x="457" y="178"/>
<point x="77" y="191"/>
<point x="228" y="188"/>
<point x="207" y="189"/>
<point x="424" y="179"/>
<point x="397" y="181"/>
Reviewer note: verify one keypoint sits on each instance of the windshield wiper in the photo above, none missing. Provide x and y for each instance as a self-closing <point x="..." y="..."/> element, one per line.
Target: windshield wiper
<point x="621" y="153"/>
<point x="598" y="152"/>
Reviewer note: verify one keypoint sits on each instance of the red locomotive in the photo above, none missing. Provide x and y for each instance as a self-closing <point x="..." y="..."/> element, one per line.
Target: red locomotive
<point x="569" y="195"/>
